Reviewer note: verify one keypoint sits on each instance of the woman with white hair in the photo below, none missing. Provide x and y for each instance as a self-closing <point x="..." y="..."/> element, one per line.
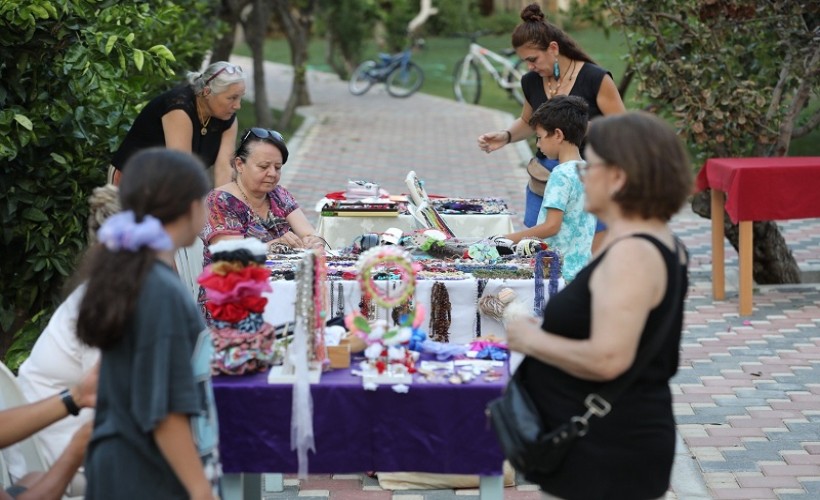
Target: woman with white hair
<point x="198" y="117"/>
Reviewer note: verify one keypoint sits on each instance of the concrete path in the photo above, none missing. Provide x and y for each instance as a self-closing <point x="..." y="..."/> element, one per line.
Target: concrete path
<point x="747" y="396"/>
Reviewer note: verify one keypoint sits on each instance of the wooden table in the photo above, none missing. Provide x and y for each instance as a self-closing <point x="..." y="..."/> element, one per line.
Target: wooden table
<point x="755" y="189"/>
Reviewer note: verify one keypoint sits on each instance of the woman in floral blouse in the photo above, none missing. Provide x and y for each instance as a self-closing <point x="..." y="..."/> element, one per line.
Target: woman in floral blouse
<point x="253" y="204"/>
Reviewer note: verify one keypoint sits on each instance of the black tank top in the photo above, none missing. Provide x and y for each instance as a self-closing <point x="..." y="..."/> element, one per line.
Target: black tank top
<point x="629" y="452"/>
<point x="587" y="85"/>
<point x="147" y="129"/>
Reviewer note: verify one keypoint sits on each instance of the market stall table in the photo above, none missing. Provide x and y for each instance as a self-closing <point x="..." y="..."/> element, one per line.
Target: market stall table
<point x="340" y="231"/>
<point x="463" y="294"/>
<point x="466" y="217"/>
<point x="755" y="189"/>
<point x="438" y="428"/>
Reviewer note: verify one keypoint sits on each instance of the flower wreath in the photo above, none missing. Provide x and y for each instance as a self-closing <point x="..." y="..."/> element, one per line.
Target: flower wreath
<point x="398" y="261"/>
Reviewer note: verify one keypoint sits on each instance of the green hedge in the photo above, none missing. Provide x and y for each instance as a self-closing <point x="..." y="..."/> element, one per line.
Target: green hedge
<point x="73" y="75"/>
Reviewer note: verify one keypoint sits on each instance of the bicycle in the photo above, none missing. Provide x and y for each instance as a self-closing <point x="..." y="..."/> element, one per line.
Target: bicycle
<point x="401" y="76"/>
<point x="506" y="73"/>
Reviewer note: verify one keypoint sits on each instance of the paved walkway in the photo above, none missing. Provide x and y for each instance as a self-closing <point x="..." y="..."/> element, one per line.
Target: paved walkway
<point x="747" y="396"/>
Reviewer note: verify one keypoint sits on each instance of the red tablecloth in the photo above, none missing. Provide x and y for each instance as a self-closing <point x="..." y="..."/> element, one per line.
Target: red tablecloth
<point x="765" y="188"/>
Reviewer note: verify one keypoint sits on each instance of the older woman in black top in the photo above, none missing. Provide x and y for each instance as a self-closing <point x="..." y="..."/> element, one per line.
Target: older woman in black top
<point x="198" y="117"/>
<point x="637" y="176"/>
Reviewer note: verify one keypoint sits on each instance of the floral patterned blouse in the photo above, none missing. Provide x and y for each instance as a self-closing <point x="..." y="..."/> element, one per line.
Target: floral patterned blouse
<point x="229" y="215"/>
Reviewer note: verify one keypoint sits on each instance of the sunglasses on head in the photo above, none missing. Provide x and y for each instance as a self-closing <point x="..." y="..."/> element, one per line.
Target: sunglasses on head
<point x="230" y="69"/>
<point x="262" y="133"/>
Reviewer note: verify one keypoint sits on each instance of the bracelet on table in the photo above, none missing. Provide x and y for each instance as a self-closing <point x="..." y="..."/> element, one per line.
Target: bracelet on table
<point x="70" y="404"/>
<point x="509" y="136"/>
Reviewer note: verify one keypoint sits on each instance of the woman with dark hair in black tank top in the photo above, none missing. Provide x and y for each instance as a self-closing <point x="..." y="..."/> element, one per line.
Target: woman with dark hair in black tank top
<point x="557" y="66"/>
<point x="637" y="176"/>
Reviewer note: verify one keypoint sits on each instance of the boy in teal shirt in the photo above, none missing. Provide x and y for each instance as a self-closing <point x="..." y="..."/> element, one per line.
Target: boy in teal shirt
<point x="560" y="127"/>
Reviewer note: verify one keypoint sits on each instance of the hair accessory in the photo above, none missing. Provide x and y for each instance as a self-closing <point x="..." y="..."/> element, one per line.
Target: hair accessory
<point x="122" y="232"/>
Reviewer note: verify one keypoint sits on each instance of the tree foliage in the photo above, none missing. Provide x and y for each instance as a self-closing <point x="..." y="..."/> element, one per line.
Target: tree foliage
<point x="737" y="77"/>
<point x="73" y="75"/>
<point x="734" y="75"/>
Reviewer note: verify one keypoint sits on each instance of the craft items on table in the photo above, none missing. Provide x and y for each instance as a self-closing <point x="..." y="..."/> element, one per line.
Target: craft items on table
<point x="463" y="279"/>
<point x="388" y="359"/>
<point x="484" y="206"/>
<point x="422" y="209"/>
<point x="306" y="356"/>
<point x="234" y="283"/>
<point x="359" y="189"/>
<point x="493" y="305"/>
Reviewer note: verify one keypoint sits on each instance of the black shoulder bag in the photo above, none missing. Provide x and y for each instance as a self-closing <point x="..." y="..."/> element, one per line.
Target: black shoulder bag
<point x="535" y="450"/>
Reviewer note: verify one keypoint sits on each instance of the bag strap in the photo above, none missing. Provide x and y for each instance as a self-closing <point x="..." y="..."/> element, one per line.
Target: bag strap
<point x="600" y="403"/>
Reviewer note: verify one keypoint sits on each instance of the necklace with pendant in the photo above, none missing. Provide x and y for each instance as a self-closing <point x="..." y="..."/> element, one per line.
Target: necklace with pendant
<point x="204" y="122"/>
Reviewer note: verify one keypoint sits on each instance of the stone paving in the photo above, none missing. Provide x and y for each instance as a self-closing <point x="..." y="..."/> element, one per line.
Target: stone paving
<point x="747" y="396"/>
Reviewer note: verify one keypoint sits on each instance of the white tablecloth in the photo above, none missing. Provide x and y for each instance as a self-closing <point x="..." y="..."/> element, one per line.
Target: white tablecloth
<point x="339" y="232"/>
<point x="463" y="298"/>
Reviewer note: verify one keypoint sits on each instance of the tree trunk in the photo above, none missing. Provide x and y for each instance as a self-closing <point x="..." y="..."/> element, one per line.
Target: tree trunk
<point x="626" y="80"/>
<point x="256" y="29"/>
<point x="297" y="25"/>
<point x="773" y="261"/>
<point x="230" y="13"/>
<point x="335" y="59"/>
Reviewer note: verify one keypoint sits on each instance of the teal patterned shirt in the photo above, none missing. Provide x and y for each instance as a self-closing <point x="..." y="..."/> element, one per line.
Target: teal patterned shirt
<point x="573" y="242"/>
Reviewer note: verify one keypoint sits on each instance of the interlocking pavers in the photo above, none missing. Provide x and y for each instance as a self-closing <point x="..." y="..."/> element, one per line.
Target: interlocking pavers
<point x="776" y="350"/>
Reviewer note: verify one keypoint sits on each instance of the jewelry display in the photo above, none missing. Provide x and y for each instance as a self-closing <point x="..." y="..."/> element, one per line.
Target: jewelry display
<point x="393" y="260"/>
<point x="481" y="284"/>
<point x="554" y="263"/>
<point x="440" y="313"/>
<point x="340" y="305"/>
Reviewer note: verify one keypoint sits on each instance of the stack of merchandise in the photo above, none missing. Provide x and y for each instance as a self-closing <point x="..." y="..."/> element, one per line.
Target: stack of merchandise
<point x="357" y="190"/>
<point x="234" y="283"/>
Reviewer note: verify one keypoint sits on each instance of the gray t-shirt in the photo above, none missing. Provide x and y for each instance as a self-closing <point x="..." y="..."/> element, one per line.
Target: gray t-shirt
<point x="161" y="366"/>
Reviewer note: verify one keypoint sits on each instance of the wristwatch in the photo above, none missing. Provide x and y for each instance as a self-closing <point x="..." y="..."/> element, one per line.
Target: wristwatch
<point x="69" y="402"/>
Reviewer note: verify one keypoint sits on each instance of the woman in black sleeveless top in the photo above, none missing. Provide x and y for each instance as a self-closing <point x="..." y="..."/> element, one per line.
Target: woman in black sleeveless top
<point x="557" y="66"/>
<point x="197" y="117"/>
<point x="637" y="177"/>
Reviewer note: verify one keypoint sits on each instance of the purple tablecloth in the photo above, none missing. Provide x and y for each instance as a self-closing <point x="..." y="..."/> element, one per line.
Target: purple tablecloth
<point x="433" y="428"/>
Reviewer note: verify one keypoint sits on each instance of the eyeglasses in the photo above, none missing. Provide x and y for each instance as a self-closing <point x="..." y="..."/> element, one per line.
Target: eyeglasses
<point x="583" y="167"/>
<point x="230" y="69"/>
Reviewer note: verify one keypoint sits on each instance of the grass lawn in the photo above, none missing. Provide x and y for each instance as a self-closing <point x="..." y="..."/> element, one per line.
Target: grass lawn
<point x="440" y="55"/>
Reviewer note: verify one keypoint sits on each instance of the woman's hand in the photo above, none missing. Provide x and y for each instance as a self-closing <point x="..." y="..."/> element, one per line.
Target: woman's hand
<point x="492" y="141"/>
<point x="520" y="332"/>
<point x="313" y="241"/>
<point x="290" y="239"/>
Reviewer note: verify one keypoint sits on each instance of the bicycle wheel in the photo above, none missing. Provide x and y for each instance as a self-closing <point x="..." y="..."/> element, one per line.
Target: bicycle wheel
<point x="402" y="82"/>
<point x="467" y="82"/>
<point x="360" y="80"/>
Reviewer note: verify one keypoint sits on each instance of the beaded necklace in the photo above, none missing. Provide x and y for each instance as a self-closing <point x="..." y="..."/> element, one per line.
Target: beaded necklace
<point x="270" y="222"/>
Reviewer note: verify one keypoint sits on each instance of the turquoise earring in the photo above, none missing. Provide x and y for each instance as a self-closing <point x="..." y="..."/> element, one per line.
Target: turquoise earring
<point x="556" y="70"/>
